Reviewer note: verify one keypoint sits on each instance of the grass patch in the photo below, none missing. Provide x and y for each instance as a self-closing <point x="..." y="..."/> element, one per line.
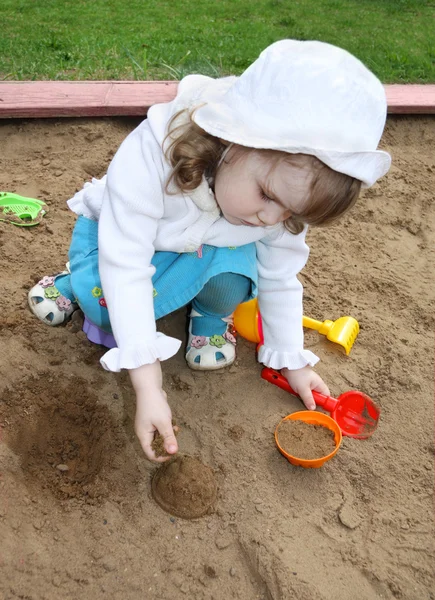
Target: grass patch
<point x="167" y="39"/>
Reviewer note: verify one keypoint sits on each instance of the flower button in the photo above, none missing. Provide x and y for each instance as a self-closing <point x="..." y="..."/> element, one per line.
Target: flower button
<point x="198" y="341"/>
<point x="96" y="292"/>
<point x="63" y="303"/>
<point x="46" y="281"/>
<point x="229" y="337"/>
<point x="51" y="292"/>
<point x="217" y="340"/>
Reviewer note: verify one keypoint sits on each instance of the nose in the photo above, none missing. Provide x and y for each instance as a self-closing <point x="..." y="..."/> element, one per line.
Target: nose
<point x="273" y="214"/>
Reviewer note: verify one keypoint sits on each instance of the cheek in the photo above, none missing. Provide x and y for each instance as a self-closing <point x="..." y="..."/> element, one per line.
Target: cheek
<point x="226" y="192"/>
<point x="221" y="193"/>
<point x="219" y="188"/>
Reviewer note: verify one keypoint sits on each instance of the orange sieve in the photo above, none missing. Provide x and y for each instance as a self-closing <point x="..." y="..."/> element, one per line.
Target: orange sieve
<point x="313" y="418"/>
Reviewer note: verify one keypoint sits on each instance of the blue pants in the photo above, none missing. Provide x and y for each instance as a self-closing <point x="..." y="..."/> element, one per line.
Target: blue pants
<point x="216" y="279"/>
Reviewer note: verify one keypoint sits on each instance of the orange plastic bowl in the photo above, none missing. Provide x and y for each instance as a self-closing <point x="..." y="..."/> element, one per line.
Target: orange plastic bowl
<point x="314" y="418"/>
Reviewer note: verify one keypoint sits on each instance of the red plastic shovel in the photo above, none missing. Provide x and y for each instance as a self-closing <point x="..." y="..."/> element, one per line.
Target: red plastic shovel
<point x="356" y="414"/>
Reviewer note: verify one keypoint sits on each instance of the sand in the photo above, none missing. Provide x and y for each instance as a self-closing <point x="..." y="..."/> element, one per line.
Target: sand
<point x="185" y="487"/>
<point x="305" y="440"/>
<point x="359" y="527"/>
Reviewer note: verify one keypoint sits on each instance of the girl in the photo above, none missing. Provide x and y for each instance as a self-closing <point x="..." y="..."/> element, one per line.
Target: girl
<point x="207" y="202"/>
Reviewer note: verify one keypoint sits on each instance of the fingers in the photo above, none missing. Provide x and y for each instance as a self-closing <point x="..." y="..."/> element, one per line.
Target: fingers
<point x="146" y="438"/>
<point x="307" y="398"/>
<point x="169" y="439"/>
<point x="170" y="444"/>
<point x="322" y="388"/>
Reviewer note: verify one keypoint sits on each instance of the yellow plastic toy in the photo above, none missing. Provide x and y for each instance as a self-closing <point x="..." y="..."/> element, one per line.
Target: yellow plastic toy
<point x="343" y="331"/>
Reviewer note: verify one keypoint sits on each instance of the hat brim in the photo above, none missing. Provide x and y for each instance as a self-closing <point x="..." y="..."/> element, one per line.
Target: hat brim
<point x="366" y="166"/>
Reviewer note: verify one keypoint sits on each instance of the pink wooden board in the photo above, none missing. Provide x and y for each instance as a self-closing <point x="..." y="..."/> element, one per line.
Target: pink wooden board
<point x="82" y="98"/>
<point x="411" y="99"/>
<point x="33" y="99"/>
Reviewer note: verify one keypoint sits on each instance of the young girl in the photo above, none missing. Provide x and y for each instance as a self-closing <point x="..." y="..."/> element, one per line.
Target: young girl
<point x="207" y="202"/>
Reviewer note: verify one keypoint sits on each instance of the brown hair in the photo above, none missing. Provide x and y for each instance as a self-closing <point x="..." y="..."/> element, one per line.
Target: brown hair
<point x="194" y="153"/>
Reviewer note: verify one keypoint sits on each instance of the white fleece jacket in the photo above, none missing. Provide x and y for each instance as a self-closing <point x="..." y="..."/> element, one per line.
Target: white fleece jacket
<point x="136" y="218"/>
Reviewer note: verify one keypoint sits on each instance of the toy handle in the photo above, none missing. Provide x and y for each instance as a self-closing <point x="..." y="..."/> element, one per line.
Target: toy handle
<point x="326" y="402"/>
<point x="311" y="323"/>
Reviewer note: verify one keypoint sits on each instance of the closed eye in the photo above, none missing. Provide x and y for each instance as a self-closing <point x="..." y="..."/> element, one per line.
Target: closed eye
<point x="287" y="212"/>
<point x="264" y="196"/>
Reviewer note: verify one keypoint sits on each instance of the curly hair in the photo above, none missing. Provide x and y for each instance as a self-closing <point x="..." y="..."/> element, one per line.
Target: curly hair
<point x="193" y="153"/>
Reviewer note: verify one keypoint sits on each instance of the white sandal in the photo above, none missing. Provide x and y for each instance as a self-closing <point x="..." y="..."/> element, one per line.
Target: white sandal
<point x="48" y="304"/>
<point x="210" y="353"/>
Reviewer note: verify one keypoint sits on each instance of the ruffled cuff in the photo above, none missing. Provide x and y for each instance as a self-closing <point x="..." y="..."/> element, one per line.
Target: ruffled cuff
<point x="290" y="360"/>
<point x="133" y="357"/>
<point x="87" y="201"/>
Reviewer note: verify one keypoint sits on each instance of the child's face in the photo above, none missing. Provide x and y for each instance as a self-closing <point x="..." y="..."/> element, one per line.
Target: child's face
<point x="249" y="193"/>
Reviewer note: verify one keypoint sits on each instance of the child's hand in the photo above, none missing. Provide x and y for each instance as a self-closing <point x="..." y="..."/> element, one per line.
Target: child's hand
<point x="152" y="410"/>
<point x="303" y="381"/>
<point x="153" y="414"/>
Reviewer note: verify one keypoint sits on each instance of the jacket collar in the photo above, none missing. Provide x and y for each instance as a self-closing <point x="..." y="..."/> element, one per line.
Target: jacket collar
<point x="204" y="197"/>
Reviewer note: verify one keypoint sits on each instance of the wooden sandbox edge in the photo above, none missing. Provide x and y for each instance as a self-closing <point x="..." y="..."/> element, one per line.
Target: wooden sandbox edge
<point x="45" y="99"/>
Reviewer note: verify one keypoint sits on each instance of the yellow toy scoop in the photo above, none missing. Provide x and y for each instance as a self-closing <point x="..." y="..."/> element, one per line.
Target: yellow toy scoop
<point x="343" y="331"/>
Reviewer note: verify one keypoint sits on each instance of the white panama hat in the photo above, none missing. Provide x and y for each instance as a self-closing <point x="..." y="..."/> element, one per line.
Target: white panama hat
<point x="303" y="97"/>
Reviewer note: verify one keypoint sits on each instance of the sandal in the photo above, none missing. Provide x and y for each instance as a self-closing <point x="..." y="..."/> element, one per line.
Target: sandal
<point x="211" y="353"/>
<point x="48" y="304"/>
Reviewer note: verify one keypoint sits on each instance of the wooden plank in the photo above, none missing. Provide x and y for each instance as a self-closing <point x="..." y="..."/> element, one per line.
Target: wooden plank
<point x="411" y="99"/>
<point x="35" y="99"/>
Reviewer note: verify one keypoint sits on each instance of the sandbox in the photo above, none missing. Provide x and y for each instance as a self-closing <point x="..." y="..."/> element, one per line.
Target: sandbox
<point x="359" y="527"/>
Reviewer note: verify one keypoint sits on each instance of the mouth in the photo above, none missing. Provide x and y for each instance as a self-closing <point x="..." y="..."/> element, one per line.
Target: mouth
<point x="247" y="223"/>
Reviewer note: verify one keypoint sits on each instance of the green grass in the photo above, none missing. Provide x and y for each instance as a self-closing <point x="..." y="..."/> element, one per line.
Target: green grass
<point x="167" y="39"/>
